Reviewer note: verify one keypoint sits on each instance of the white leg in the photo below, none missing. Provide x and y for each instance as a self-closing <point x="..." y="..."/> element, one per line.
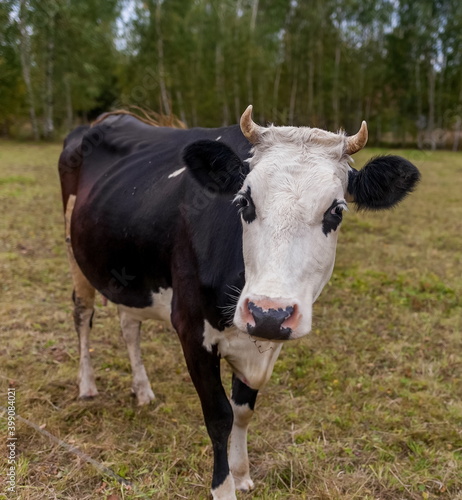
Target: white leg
<point x="82" y="318"/>
<point x="84" y="299"/>
<point x="238" y="457"/>
<point x="131" y="334"/>
<point x="242" y="402"/>
<point x="226" y="490"/>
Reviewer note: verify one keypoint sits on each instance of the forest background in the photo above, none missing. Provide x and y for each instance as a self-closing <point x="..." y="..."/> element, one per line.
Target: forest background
<point x="325" y="63"/>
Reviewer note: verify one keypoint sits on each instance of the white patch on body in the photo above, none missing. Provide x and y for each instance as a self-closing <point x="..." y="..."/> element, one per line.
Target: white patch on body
<point x="177" y="172"/>
<point x="252" y="360"/>
<point x="218" y="138"/>
<point x="160" y="309"/>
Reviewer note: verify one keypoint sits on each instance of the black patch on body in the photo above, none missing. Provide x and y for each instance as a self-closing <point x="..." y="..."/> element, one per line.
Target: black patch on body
<point x="242" y="394"/>
<point x="128" y="211"/>
<point x="331" y="221"/>
<point x="383" y="182"/>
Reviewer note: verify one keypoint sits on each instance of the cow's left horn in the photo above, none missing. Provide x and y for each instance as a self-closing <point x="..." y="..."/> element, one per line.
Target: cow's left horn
<point x="249" y="128"/>
<point x="356" y="142"/>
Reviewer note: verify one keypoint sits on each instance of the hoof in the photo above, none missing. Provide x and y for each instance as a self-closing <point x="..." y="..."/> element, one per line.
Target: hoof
<point x="244" y="484"/>
<point x="87" y="387"/>
<point x="144" y="397"/>
<point x="88" y="395"/>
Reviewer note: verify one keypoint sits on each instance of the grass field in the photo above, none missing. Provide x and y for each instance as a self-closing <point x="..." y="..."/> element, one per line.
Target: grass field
<point x="369" y="406"/>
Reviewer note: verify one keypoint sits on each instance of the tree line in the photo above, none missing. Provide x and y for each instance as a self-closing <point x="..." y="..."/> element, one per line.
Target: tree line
<point x="326" y="63"/>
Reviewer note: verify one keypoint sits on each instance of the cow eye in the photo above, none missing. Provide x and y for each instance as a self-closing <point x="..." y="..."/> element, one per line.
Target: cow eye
<point x="338" y="211"/>
<point x="333" y="216"/>
<point x="246" y="208"/>
<point x="242" y="203"/>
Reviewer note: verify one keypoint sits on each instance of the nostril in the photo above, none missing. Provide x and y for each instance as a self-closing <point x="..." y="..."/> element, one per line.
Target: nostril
<point x="293" y="318"/>
<point x="277" y="316"/>
<point x="247" y="315"/>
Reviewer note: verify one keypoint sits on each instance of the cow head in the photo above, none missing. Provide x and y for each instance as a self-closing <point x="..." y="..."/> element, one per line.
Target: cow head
<point x="291" y="197"/>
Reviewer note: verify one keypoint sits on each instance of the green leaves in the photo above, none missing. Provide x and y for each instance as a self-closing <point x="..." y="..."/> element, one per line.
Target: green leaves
<point x="326" y="63"/>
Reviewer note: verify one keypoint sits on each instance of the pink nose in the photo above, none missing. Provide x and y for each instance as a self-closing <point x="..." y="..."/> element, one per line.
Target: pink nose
<point x="271" y="319"/>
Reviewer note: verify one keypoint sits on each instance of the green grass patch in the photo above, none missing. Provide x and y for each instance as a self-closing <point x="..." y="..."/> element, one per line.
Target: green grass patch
<point x="369" y="406"/>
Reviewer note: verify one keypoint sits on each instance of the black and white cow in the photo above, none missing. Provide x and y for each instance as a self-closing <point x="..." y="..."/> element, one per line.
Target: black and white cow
<point x="230" y="233"/>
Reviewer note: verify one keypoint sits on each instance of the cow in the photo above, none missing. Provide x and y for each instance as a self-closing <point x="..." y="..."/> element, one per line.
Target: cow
<point x="228" y="233"/>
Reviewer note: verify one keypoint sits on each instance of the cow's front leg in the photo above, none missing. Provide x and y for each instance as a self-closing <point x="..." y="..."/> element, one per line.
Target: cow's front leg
<point x="131" y="333"/>
<point x="243" y="403"/>
<point x="204" y="368"/>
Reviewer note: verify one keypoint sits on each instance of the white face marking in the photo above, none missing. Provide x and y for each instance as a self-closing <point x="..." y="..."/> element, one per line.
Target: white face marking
<point x="218" y="138"/>
<point x="251" y="360"/>
<point x="177" y="172"/>
<point x="296" y="174"/>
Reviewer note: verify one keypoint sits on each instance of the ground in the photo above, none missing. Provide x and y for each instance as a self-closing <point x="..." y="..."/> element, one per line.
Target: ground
<point x="369" y="406"/>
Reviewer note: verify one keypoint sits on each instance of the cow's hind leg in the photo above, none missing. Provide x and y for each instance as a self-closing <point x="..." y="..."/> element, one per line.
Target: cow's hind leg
<point x="84" y="299"/>
<point x="131" y="329"/>
<point x="243" y="403"/>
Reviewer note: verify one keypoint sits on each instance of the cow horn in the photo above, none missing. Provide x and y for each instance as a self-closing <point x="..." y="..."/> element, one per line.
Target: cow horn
<point x="356" y="142"/>
<point x="248" y="127"/>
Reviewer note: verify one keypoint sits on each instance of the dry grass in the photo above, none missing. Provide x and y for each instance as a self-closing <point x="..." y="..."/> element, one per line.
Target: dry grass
<point x="367" y="407"/>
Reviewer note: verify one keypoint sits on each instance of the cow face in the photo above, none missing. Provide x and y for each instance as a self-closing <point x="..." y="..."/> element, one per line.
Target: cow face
<point x="291" y="202"/>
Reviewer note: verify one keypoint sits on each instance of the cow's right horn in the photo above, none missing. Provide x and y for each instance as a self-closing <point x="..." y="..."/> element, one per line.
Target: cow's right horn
<point x="356" y="142"/>
<point x="249" y="128"/>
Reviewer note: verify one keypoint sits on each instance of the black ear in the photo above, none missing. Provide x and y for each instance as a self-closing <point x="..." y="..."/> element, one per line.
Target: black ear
<point x="382" y="183"/>
<point x="216" y="166"/>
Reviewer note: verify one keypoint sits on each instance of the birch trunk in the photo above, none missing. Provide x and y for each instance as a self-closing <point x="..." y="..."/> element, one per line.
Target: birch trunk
<point x="160" y="55"/>
<point x="24" y="46"/>
<point x="310" y="90"/>
<point x="335" y="87"/>
<point x="249" y="76"/>
<point x="180" y="102"/>
<point x="457" y="131"/>
<point x="49" y="103"/>
<point x="361" y="78"/>
<point x="420" y="115"/>
<point x="220" y="84"/>
<point x="293" y="97"/>
<point x="237" y="101"/>
<point x="431" y="106"/>
<point x="277" y="80"/>
<point x="68" y="95"/>
<point x="320" y="119"/>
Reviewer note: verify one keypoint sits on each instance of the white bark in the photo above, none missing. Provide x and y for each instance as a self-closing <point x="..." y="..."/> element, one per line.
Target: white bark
<point x="160" y="55"/>
<point x="24" y="47"/>
<point x="49" y="102"/>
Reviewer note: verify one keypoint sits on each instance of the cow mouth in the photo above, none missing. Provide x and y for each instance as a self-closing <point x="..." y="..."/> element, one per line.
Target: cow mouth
<point x="265" y="333"/>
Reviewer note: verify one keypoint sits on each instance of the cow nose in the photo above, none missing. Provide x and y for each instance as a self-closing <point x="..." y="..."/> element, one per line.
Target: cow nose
<point x="269" y="321"/>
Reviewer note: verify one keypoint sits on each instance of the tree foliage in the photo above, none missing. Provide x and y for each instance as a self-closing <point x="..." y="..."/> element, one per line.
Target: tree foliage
<point x="327" y="63"/>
